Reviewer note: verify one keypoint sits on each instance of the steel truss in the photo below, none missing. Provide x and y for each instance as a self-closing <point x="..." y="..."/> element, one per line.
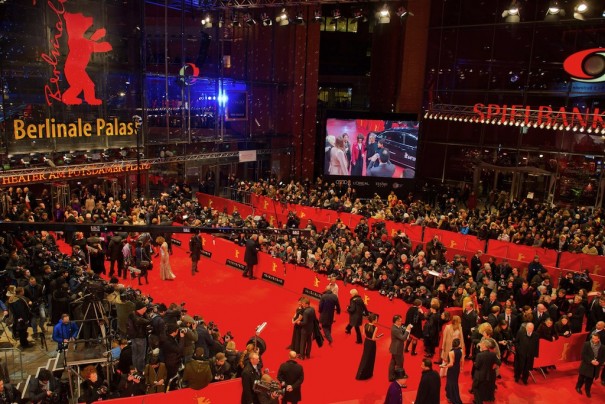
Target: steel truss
<point x="195" y="5"/>
<point x="145" y="162"/>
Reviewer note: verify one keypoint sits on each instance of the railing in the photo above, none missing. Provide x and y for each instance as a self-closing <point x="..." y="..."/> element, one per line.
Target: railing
<point x="237" y="195"/>
<point x="13" y="353"/>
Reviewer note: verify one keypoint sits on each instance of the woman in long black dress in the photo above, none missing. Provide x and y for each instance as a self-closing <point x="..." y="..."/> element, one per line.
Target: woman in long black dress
<point x="452" y="391"/>
<point x="366" y="367"/>
<point x="296" y="319"/>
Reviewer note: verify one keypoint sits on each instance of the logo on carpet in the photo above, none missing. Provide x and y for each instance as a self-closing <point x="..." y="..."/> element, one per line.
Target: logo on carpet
<point x="236" y="265"/>
<point x="311" y="293"/>
<point x="175" y="241"/>
<point x="206" y="253"/>
<point x="273" y="279"/>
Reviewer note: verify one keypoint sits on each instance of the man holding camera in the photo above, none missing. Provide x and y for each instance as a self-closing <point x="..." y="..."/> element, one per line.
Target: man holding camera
<point x="132" y="384"/>
<point x="64" y="332"/>
<point x="188" y="326"/>
<point x="399" y="335"/>
<point x="172" y="347"/>
<point x="137" y="333"/>
<point x="43" y="389"/>
<point x="291" y="376"/>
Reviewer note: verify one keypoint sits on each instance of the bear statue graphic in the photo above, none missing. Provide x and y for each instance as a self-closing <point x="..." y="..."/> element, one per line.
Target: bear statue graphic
<point x="81" y="49"/>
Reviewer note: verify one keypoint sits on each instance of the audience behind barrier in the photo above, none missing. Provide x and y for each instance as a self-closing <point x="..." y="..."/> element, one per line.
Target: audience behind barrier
<point x="366" y="256"/>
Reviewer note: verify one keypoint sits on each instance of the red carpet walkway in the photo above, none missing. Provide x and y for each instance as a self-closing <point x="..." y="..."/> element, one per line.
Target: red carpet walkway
<point x="236" y="304"/>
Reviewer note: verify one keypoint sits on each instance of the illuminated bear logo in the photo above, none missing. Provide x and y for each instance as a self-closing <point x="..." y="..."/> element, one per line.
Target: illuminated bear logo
<point x="80" y="50"/>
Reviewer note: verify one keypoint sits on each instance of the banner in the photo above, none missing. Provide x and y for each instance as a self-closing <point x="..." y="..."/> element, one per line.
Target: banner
<point x="552" y="353"/>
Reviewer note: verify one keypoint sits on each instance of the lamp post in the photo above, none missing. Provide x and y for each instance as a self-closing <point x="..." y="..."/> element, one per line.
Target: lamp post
<point x="137" y="123"/>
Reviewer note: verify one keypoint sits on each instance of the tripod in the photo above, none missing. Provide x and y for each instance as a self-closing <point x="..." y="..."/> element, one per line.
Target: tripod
<point x="3" y="330"/>
<point x="97" y="314"/>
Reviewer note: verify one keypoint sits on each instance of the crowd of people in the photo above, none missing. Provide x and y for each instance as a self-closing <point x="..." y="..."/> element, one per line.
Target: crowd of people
<point x="503" y="311"/>
<point x="154" y="347"/>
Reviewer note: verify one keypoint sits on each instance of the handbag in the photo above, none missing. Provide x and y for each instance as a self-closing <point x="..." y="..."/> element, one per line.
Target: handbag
<point x="145" y="265"/>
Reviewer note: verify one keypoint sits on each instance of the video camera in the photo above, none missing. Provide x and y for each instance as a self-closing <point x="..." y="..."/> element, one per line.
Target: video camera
<point x="269" y="388"/>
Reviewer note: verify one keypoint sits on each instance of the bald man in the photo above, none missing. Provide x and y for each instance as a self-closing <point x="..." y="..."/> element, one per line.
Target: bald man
<point x="291" y="376"/>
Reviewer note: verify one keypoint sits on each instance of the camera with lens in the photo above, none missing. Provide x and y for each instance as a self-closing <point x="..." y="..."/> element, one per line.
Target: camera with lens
<point x="269" y="388"/>
<point x="228" y="337"/>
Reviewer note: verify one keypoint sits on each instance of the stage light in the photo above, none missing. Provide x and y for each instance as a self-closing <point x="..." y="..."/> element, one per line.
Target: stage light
<point x="207" y="21"/>
<point x="512" y="13"/>
<point x="403" y="13"/>
<point x="358" y="15"/>
<point x="282" y="18"/>
<point x="298" y="20"/>
<point x="580" y="10"/>
<point x="266" y="20"/>
<point x="235" y="21"/>
<point x="384" y="15"/>
<point x="317" y="15"/>
<point x="554" y="12"/>
<point x="249" y="20"/>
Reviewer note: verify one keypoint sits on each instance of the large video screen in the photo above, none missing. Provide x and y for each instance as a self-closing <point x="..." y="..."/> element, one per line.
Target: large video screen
<point x="370" y="148"/>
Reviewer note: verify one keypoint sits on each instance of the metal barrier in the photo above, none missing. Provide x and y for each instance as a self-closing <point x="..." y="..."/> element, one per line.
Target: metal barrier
<point x="15" y="355"/>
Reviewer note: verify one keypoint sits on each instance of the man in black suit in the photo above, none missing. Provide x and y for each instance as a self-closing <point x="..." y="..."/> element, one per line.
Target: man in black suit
<point x="596" y="312"/>
<point x="399" y="335"/>
<point x="593" y="356"/>
<point x="328" y="304"/>
<point x="540" y="314"/>
<point x="484" y="377"/>
<point x="172" y="348"/>
<point x="250" y="256"/>
<point x="250" y="374"/>
<point x="527" y="349"/>
<point x="430" y="384"/>
<point x="511" y="319"/>
<point x="195" y="249"/>
<point x="356" y="310"/>
<point x="306" y="328"/>
<point x="291" y="376"/>
<point x="469" y="321"/>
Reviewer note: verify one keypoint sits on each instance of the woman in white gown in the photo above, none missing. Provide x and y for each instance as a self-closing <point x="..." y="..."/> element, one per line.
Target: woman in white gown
<point x="165" y="270"/>
<point x="338" y="159"/>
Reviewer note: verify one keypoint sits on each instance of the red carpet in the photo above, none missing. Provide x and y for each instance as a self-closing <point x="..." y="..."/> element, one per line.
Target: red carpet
<point x="221" y="294"/>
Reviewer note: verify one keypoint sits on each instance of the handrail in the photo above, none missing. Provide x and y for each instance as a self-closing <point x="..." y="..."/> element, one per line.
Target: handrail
<point x="12" y="350"/>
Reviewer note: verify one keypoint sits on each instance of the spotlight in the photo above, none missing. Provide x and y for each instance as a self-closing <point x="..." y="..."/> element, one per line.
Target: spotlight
<point x="298" y="20"/>
<point x="282" y="18"/>
<point x="249" y="20"/>
<point x="266" y="20"/>
<point x="384" y="15"/>
<point x="207" y="21"/>
<point x="512" y="14"/>
<point x="317" y="16"/>
<point x="554" y="12"/>
<point x="336" y="14"/>
<point x="403" y="13"/>
<point x="580" y="10"/>
<point x="235" y="21"/>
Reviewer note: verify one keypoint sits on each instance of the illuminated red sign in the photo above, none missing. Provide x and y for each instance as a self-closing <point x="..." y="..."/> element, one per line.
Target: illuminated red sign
<point x="587" y="66"/>
<point x="81" y="46"/>
<point x="543" y="116"/>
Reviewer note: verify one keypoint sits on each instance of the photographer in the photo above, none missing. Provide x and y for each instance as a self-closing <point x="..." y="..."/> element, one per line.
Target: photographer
<point x="188" y="328"/>
<point x="34" y="293"/>
<point x="44" y="389"/>
<point x="132" y="384"/>
<point x="92" y="389"/>
<point x="19" y="308"/>
<point x="221" y="369"/>
<point x="171" y="347"/>
<point x="267" y="396"/>
<point x="137" y="332"/>
<point x="156" y="376"/>
<point x="64" y="332"/>
<point x="197" y="373"/>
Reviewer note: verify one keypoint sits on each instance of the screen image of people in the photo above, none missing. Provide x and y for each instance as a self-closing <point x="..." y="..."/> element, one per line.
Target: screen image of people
<point x="371" y="148"/>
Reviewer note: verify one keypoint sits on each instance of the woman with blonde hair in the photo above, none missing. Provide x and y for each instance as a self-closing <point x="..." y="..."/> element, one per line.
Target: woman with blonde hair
<point x="451" y="331"/>
<point x="338" y="160"/>
<point x="165" y="270"/>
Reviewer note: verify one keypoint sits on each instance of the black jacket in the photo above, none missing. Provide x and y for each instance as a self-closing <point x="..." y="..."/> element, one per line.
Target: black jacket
<point x="429" y="388"/>
<point x="587" y="369"/>
<point x="484" y="366"/>
<point x="327" y="305"/>
<point x="356" y="310"/>
<point x="291" y="373"/>
<point x="249" y="375"/>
